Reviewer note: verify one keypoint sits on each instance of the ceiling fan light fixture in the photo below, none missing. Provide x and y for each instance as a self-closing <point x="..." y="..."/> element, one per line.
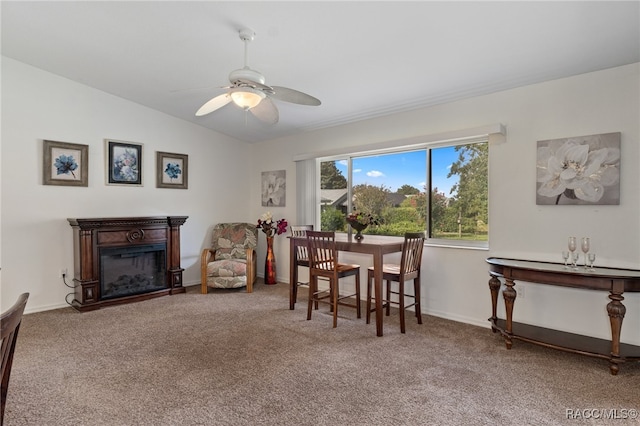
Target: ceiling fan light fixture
<point x="247" y="97"/>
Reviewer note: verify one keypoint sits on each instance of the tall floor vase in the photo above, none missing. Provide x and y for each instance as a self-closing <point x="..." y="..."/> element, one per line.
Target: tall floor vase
<point x="270" y="264"/>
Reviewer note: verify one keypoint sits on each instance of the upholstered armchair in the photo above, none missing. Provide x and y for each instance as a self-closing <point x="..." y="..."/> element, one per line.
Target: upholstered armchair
<point x="231" y="260"/>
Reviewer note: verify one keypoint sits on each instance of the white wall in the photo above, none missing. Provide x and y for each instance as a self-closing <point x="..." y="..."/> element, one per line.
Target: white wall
<point x="36" y="237"/>
<point x="455" y="280"/>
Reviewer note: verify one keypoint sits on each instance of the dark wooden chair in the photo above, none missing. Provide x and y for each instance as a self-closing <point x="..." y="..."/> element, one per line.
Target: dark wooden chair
<point x="10" y="321"/>
<point x="301" y="259"/>
<point x="323" y="263"/>
<point x="408" y="269"/>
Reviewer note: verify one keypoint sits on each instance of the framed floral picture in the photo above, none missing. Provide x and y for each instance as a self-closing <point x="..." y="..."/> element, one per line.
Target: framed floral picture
<point x="65" y="164"/>
<point x="124" y="163"/>
<point x="582" y="170"/>
<point x="172" y="170"/>
<point x="274" y="189"/>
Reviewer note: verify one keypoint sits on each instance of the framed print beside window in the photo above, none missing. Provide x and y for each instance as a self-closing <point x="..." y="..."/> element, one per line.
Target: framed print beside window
<point x="274" y="188"/>
<point x="172" y="170"/>
<point x="65" y="164"/>
<point x="124" y="163"/>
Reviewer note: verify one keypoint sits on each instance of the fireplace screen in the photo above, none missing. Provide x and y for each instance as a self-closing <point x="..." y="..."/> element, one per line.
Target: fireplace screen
<point x="132" y="270"/>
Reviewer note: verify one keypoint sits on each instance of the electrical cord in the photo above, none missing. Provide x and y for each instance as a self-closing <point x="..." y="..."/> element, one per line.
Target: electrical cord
<point x="66" y="298"/>
<point x="64" y="280"/>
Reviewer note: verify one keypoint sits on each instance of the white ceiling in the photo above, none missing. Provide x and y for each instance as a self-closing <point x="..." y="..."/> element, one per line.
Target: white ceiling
<point x="361" y="59"/>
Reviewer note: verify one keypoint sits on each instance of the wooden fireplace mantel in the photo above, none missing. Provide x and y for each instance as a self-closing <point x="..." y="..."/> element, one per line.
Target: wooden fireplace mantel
<point x="93" y="234"/>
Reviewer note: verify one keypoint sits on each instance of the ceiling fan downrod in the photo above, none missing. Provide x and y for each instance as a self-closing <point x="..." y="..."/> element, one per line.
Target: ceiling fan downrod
<point x="246" y="35"/>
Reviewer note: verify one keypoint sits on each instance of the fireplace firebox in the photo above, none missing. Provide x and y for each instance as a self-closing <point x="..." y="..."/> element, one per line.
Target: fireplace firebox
<point x="132" y="270"/>
<point x="121" y="260"/>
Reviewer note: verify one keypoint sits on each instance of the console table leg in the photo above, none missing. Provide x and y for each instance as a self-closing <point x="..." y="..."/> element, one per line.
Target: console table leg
<point x="494" y="286"/>
<point x="616" y="311"/>
<point x="509" y="295"/>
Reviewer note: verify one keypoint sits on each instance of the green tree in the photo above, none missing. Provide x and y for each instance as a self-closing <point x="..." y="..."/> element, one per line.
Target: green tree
<point x="331" y="177"/>
<point x="371" y="199"/>
<point x="471" y="191"/>
<point x="439" y="222"/>
<point x="408" y="190"/>
<point x="418" y="202"/>
<point x="332" y="219"/>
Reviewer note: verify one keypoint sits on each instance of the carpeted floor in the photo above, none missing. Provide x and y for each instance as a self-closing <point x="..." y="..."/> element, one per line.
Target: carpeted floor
<point x="232" y="358"/>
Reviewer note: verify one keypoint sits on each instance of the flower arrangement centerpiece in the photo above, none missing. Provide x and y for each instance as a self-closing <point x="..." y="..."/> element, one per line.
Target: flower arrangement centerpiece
<point x="271" y="228"/>
<point x="360" y="221"/>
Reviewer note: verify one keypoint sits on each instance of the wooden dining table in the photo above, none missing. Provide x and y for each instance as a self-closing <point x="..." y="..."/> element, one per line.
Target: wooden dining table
<point x="376" y="246"/>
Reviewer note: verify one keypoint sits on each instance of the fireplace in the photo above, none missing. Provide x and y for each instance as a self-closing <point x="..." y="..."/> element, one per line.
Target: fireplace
<point x="132" y="270"/>
<point x="121" y="260"/>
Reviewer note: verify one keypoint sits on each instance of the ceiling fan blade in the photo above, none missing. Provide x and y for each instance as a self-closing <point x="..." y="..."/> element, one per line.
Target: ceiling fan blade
<point x="214" y="104"/>
<point x="294" y="96"/>
<point x="266" y="111"/>
<point x="254" y="84"/>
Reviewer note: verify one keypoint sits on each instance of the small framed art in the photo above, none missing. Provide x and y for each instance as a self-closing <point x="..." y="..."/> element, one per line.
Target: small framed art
<point x="172" y="170"/>
<point x="65" y="164"/>
<point x="124" y="163"/>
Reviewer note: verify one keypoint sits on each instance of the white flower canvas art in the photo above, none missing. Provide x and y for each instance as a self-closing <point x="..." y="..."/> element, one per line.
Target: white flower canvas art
<point x="274" y="190"/>
<point x="583" y="170"/>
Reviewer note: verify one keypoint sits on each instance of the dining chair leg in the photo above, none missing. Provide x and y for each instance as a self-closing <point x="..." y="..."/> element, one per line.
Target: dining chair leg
<point x="369" y="280"/>
<point x="358" y="310"/>
<point x="388" y="302"/>
<point x="336" y="291"/>
<point x="293" y="291"/>
<point x="416" y="292"/>
<point x="401" y="305"/>
<point x="313" y="284"/>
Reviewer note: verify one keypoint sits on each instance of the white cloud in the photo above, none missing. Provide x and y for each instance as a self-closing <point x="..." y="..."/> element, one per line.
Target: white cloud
<point x="357" y="170"/>
<point x="375" y="173"/>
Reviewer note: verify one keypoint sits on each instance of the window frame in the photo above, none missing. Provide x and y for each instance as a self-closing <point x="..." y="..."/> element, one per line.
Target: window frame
<point x="428" y="147"/>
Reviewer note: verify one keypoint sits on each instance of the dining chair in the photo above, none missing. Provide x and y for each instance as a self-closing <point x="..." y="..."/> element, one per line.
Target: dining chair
<point x="301" y="259"/>
<point x="408" y="269"/>
<point x="323" y="262"/>
<point x="10" y="324"/>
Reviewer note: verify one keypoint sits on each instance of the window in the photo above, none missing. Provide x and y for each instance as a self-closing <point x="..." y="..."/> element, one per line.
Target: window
<point x="441" y="189"/>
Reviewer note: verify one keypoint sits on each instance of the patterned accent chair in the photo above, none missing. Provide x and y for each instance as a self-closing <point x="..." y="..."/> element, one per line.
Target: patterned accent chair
<point x="231" y="260"/>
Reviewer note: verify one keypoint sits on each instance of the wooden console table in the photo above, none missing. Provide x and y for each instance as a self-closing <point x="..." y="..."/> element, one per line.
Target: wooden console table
<point x="615" y="281"/>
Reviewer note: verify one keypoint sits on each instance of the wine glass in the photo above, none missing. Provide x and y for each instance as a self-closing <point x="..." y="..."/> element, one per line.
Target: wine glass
<point x="572" y="247"/>
<point x="574" y="260"/>
<point x="565" y="256"/>
<point x="585" y="249"/>
<point x="592" y="258"/>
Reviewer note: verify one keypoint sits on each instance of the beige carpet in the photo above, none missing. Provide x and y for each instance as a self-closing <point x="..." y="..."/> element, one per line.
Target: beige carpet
<point x="231" y="358"/>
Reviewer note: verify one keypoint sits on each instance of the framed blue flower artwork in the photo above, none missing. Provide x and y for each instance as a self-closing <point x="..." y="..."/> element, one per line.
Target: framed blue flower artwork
<point x="65" y="164"/>
<point x="124" y="163"/>
<point x="172" y="170"/>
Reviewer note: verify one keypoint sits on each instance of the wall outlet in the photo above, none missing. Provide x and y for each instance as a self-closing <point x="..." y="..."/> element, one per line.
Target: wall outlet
<point x="520" y="291"/>
<point x="63" y="273"/>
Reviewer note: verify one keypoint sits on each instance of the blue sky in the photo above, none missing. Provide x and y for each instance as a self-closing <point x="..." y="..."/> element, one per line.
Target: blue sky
<point x="395" y="170"/>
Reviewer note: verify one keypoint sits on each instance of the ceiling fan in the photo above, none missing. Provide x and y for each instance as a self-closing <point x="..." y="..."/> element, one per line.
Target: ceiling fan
<point x="249" y="91"/>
